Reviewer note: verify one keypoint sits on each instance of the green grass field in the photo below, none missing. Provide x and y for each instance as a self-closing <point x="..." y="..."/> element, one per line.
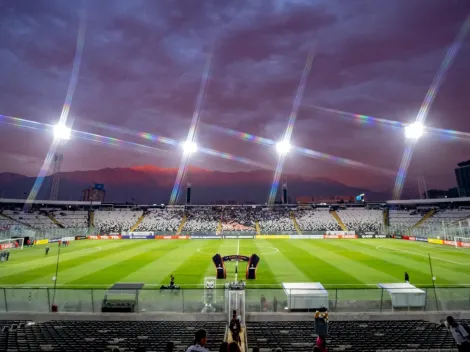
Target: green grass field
<point x="334" y="263"/>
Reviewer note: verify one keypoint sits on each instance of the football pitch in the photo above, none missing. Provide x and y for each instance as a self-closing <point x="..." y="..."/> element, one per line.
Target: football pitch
<point x="334" y="263"/>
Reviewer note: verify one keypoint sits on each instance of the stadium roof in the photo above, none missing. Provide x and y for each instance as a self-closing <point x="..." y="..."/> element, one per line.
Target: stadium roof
<point x="47" y="202"/>
<point x="430" y="201"/>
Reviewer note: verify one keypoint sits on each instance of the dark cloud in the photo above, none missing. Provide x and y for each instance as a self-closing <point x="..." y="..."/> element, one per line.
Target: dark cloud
<point x="142" y="64"/>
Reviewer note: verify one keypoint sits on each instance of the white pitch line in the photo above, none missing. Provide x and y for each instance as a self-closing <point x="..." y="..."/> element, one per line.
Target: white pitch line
<point x="236" y="263"/>
<point x="420" y="255"/>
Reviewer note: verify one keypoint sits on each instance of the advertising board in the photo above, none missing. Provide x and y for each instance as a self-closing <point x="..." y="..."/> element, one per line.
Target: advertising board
<point x="435" y="241"/>
<point x="371" y="236"/>
<point x="306" y="237"/>
<point x="78" y="238"/>
<point x="41" y="242"/>
<point x="135" y="236"/>
<point x="340" y="233"/>
<point x="206" y="237"/>
<point x="239" y="237"/>
<point x="286" y="237"/>
<point x="104" y="237"/>
<point x="328" y="237"/>
<point x="172" y="237"/>
<point x="421" y="239"/>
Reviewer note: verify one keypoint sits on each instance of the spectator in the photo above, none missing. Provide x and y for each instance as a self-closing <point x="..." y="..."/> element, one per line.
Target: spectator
<point x="233" y="347"/>
<point x="235" y="327"/>
<point x="459" y="333"/>
<point x="321" y="343"/>
<point x="200" y="340"/>
<point x="223" y="347"/>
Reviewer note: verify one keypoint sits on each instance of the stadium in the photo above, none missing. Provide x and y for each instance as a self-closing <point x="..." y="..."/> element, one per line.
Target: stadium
<point x="347" y="258"/>
<point x="161" y="99"/>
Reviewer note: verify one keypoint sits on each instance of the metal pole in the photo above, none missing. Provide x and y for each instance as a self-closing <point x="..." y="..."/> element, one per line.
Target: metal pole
<point x="433" y="283"/>
<point x="92" y="302"/>
<point x="56" y="273"/>
<point x="381" y="299"/>
<point x="5" y="297"/>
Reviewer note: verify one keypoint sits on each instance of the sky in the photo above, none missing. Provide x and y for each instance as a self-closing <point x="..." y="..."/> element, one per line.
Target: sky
<point x="142" y="63"/>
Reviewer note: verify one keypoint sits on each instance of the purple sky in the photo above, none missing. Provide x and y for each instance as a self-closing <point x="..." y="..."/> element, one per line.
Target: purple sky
<point x="142" y="63"/>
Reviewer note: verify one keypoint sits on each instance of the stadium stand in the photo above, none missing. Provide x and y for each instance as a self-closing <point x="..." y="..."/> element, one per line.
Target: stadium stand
<point x="446" y="216"/>
<point x="276" y="220"/>
<point x="202" y="219"/>
<point x="34" y="219"/>
<point x="116" y="220"/>
<point x="354" y="336"/>
<point x="161" y="220"/>
<point x="80" y="336"/>
<point x="405" y="218"/>
<point x="361" y="219"/>
<point x="316" y="220"/>
<point x="72" y="219"/>
<point x="239" y="219"/>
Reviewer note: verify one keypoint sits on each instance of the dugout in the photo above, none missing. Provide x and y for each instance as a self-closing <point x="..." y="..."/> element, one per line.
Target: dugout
<point x="122" y="298"/>
<point x="305" y="296"/>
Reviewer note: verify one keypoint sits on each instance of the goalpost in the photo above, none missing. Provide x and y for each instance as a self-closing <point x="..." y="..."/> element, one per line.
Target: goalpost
<point x="11" y="243"/>
<point x="464" y="242"/>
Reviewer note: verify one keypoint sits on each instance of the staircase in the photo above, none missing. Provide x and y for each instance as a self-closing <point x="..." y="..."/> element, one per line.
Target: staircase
<point x="182" y="223"/>
<point x="296" y="225"/>
<point x="17" y="221"/>
<point x="338" y="220"/>
<point x="137" y="223"/>
<point x="243" y="338"/>
<point x="424" y="218"/>
<point x="258" y="229"/>
<point x="54" y="220"/>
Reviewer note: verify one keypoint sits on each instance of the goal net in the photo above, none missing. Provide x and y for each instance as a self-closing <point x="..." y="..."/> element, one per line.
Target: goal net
<point x="462" y="242"/>
<point x="11" y="243"/>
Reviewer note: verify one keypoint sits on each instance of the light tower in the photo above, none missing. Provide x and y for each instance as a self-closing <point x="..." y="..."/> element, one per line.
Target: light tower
<point x="61" y="135"/>
<point x="56" y="177"/>
<point x="285" y="200"/>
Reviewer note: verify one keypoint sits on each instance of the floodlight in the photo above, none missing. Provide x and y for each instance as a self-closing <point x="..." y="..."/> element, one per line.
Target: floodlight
<point x="283" y="147"/>
<point x="414" y="131"/>
<point x="61" y="132"/>
<point x="189" y="147"/>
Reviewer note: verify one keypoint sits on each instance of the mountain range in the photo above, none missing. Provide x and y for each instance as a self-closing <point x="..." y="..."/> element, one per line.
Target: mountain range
<point x="149" y="184"/>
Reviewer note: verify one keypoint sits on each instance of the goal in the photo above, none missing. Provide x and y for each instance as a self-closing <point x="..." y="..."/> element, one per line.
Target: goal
<point x="11" y="243"/>
<point x="462" y="242"/>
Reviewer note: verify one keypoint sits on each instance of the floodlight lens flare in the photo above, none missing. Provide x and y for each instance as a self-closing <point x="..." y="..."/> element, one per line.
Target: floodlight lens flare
<point x="414" y="131"/>
<point x="61" y="132"/>
<point x="189" y="147"/>
<point x="283" y="147"/>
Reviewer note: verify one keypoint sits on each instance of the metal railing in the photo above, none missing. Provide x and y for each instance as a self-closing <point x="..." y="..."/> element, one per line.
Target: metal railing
<point x="188" y="300"/>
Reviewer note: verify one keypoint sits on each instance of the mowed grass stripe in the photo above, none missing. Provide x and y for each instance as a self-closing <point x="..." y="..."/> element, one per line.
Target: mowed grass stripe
<point x="32" y="273"/>
<point x="71" y="273"/>
<point x="317" y="264"/>
<point x="38" y="258"/>
<point x="274" y="267"/>
<point x="389" y="263"/>
<point x="127" y="261"/>
<point x="193" y="263"/>
<point x="156" y="271"/>
<point x="382" y="261"/>
<point x="444" y="272"/>
<point x="357" y="270"/>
